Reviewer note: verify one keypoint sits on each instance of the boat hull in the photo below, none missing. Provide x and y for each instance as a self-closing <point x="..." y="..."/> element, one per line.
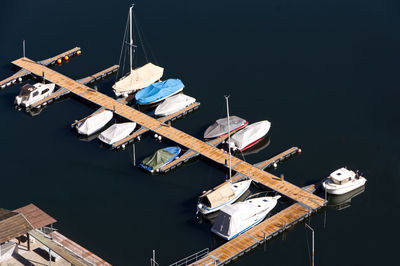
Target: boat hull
<point x="116" y="132"/>
<point x="249" y="136"/>
<point x="94" y="123"/>
<point x="342" y="189"/>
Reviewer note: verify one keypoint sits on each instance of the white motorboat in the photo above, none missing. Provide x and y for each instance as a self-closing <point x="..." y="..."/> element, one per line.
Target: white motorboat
<point x="117" y="132"/>
<point x="250" y="135"/>
<point x="31" y="94"/>
<point x="239" y="217"/>
<point x="94" y="123"/>
<point x="213" y="200"/>
<point x="138" y="78"/>
<point x="220" y="127"/>
<point x="174" y="104"/>
<point x="342" y="181"/>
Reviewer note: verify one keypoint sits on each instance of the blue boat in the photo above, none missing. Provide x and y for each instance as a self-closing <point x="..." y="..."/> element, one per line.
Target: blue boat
<point x="159" y="91"/>
<point x="160" y="158"/>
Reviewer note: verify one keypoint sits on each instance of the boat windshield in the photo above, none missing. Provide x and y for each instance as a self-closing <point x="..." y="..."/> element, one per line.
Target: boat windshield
<point x="340" y="182"/>
<point x="26" y="90"/>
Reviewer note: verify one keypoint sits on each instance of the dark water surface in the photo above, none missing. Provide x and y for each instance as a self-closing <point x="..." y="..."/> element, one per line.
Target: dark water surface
<point x="325" y="73"/>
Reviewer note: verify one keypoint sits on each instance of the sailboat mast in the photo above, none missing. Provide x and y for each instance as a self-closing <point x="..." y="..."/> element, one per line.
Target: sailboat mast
<point x="229" y="137"/>
<point x="130" y="38"/>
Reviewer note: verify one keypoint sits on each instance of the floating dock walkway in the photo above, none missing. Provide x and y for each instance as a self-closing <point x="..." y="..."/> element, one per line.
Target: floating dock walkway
<point x="303" y="197"/>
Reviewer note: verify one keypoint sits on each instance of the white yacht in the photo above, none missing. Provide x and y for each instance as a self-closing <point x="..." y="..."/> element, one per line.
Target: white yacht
<point x="94" y="123"/>
<point x="31" y="94"/>
<point x="239" y="217"/>
<point x="117" y="132"/>
<point x="342" y="181"/>
<point x="213" y="200"/>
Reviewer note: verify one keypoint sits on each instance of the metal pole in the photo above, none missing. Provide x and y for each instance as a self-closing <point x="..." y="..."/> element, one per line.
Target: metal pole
<point x="130" y="37"/>
<point x="154" y="257"/>
<point x="134" y="154"/>
<point x="229" y="136"/>
<point x="312" y="230"/>
<point x="23" y="47"/>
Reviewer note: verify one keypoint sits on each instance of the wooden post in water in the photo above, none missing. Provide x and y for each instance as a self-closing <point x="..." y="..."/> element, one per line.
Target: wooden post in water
<point x="313" y="256"/>
<point x="23" y="48"/>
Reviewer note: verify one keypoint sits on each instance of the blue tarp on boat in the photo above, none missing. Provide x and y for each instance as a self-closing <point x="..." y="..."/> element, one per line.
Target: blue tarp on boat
<point x="159" y="91"/>
<point x="160" y="158"/>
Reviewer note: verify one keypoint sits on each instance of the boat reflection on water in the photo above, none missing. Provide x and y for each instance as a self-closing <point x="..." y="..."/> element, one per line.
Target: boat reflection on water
<point x="212" y="216"/>
<point x="88" y="138"/>
<point x="262" y="144"/>
<point x="341" y="202"/>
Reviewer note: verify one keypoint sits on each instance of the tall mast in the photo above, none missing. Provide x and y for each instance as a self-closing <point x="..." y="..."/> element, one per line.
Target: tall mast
<point x="229" y="137"/>
<point x="130" y="37"/>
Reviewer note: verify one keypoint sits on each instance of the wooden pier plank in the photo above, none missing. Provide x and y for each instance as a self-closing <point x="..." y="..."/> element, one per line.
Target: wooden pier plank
<point x="173" y="134"/>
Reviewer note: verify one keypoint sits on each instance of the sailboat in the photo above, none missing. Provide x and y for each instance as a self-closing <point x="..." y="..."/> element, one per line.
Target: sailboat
<point x="139" y="78"/>
<point x="227" y="193"/>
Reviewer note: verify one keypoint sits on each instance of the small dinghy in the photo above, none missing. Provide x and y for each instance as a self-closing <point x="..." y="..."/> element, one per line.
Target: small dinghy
<point x="160" y="158"/>
<point x="117" y="132"/>
<point x="213" y="200"/>
<point x="342" y="181"/>
<point x="157" y="92"/>
<point x="250" y="135"/>
<point x="94" y="123"/>
<point x="174" y="104"/>
<point x="31" y="94"/>
<point x="220" y="127"/>
<point x="239" y="217"/>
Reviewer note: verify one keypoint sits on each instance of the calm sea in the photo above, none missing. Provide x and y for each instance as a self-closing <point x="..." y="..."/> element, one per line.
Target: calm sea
<point x="325" y="73"/>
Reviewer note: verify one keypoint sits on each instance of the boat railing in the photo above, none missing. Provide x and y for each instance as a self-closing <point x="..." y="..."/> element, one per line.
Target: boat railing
<point x="262" y="194"/>
<point x="192" y="258"/>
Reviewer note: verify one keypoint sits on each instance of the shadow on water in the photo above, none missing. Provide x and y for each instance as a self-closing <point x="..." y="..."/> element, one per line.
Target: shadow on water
<point x="340" y="202"/>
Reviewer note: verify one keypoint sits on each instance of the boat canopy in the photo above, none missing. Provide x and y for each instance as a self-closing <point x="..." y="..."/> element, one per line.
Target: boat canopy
<point x="219" y="196"/>
<point x="231" y="218"/>
<point x="139" y="78"/>
<point x="250" y="134"/>
<point x="95" y="122"/>
<point x="158" y="91"/>
<point x="220" y="127"/>
<point x="158" y="159"/>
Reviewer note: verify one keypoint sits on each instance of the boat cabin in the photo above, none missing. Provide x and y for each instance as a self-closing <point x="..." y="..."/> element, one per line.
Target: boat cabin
<point x="341" y="176"/>
<point x="29" y="91"/>
<point x="218" y="196"/>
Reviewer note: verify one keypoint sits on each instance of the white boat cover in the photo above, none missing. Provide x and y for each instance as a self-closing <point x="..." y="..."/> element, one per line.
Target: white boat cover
<point x="94" y="123"/>
<point x="174" y="104"/>
<point x="250" y="134"/>
<point x="138" y="79"/>
<point x="231" y="218"/>
<point x="220" y="127"/>
<point x="117" y="132"/>
<point x="220" y="195"/>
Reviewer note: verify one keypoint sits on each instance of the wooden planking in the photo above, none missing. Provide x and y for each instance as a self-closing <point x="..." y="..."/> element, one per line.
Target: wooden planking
<point x="99" y="75"/>
<point x="279" y="157"/>
<point x="36" y="217"/>
<point x="174" y="134"/>
<point x="54" y="58"/>
<point x="63" y="252"/>
<point x="14" y="225"/>
<point x="181" y="159"/>
<point x="74" y="247"/>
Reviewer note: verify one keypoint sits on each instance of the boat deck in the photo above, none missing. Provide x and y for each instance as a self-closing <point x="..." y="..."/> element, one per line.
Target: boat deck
<point x="303" y="197"/>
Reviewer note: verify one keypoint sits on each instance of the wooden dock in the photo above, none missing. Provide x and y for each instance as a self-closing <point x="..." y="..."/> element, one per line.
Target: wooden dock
<point x="306" y="199"/>
<point x="257" y="235"/>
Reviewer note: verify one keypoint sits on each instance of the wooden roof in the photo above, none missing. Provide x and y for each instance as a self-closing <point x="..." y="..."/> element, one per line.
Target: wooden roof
<point x="12" y="225"/>
<point x="36" y="217"/>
